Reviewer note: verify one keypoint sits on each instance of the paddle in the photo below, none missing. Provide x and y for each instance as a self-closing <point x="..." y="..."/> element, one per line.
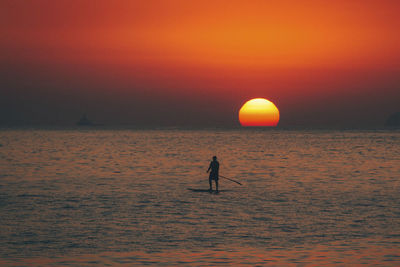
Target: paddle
<point x="230" y="179"/>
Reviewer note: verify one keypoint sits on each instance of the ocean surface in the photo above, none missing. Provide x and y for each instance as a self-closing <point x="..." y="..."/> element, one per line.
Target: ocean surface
<point x="120" y="197"/>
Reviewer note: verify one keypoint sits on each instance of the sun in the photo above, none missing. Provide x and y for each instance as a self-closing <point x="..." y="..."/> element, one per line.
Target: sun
<point x="259" y="112"/>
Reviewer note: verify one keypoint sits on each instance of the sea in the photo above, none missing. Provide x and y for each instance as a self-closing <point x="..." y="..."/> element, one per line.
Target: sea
<point x="122" y="197"/>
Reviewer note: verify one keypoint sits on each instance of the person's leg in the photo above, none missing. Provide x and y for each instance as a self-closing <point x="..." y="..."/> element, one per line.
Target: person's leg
<point x="216" y="184"/>
<point x="210" y="181"/>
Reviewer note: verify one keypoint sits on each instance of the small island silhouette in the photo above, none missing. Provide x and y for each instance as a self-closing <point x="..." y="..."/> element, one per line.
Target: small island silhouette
<point x="393" y="120"/>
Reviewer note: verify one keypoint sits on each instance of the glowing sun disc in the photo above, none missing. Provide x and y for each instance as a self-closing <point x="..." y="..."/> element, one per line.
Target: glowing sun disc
<point x="259" y="112"/>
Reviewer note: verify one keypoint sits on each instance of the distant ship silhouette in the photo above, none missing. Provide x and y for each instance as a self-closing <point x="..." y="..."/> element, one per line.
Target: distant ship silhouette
<point x="84" y="121"/>
<point x="393" y="120"/>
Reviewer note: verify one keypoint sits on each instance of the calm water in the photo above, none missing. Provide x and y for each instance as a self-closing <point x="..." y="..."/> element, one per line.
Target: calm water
<point x="87" y="197"/>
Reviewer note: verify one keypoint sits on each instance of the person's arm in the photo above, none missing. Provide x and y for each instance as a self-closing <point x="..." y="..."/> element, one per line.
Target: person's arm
<point x="209" y="168"/>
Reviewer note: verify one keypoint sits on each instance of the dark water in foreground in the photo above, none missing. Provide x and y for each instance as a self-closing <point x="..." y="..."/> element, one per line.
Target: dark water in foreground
<point x="103" y="197"/>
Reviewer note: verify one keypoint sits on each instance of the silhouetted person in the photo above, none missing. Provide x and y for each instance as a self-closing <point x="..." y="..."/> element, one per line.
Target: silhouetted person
<point x="214" y="167"/>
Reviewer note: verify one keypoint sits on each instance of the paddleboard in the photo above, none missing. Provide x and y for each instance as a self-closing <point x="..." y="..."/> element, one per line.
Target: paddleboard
<point x="204" y="190"/>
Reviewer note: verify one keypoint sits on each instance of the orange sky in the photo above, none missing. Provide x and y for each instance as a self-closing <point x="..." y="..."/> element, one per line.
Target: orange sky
<point x="295" y="53"/>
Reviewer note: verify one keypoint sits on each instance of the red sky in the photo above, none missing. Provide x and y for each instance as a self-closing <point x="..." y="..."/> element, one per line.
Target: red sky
<point x="323" y="63"/>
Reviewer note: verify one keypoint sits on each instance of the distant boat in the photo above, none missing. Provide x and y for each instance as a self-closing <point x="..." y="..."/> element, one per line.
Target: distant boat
<point x="393" y="120"/>
<point x="84" y="121"/>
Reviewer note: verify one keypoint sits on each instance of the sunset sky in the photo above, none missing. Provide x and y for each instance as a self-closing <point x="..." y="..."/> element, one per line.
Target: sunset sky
<point x="194" y="63"/>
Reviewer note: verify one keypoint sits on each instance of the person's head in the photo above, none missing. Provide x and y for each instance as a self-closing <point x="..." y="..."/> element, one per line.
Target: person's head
<point x="215" y="158"/>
